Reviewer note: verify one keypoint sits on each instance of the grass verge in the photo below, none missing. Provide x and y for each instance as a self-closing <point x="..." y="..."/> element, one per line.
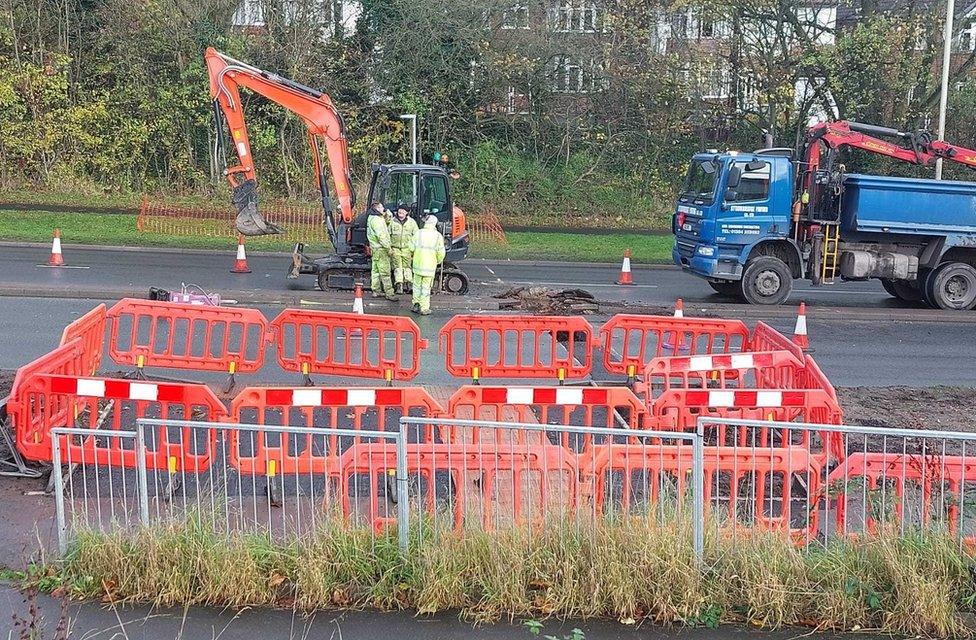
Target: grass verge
<point x="629" y="570"/>
<point x="120" y="230"/>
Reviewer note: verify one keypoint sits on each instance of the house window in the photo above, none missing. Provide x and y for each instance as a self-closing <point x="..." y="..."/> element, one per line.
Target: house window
<point x="516" y="103"/>
<point x="571" y="75"/>
<point x="578" y="16"/>
<point x="967" y="38"/>
<point x="249" y="14"/>
<point x="516" y="17"/>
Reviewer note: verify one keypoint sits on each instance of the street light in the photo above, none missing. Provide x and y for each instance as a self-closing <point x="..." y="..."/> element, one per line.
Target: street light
<point x="944" y="93"/>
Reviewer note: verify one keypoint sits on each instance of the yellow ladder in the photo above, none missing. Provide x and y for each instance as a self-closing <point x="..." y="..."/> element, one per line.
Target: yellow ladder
<point x="831" y="242"/>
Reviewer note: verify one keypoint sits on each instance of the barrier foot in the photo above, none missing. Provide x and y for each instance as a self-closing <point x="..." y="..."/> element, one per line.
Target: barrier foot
<point x="274" y="493"/>
<point x="173" y="485"/>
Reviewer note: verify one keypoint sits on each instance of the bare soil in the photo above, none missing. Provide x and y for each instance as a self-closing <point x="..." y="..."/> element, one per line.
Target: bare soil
<point x="6" y="382"/>
<point x="929" y="408"/>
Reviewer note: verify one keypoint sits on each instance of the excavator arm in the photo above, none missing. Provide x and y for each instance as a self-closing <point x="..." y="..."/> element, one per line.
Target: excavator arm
<point x="314" y="108"/>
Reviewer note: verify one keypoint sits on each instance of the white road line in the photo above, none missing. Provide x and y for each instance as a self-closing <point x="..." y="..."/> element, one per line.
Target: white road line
<point x="63" y="266"/>
<point x="587" y="284"/>
<point x="489" y="270"/>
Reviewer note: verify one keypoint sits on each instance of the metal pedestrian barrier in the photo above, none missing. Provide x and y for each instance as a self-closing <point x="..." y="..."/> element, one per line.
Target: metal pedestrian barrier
<point x="898" y="480"/>
<point x="520" y="474"/>
<point x="94" y="493"/>
<point x="275" y="500"/>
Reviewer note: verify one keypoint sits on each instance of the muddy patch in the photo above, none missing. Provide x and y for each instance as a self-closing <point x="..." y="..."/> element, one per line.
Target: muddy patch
<point x="929" y="408"/>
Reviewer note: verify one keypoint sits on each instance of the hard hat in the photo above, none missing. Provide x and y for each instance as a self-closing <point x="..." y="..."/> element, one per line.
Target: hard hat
<point x="431" y="219"/>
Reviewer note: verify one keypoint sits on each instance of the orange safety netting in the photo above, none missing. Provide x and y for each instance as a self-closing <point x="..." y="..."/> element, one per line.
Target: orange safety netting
<point x="485" y="227"/>
<point x="301" y="222"/>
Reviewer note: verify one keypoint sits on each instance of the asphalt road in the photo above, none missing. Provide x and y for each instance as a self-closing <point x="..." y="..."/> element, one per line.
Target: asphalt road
<point x="102" y="272"/>
<point x="851" y="352"/>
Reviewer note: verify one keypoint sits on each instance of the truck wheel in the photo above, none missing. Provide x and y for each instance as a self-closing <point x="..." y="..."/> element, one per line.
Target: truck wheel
<point x="953" y="286"/>
<point x="730" y="289"/>
<point x="766" y="280"/>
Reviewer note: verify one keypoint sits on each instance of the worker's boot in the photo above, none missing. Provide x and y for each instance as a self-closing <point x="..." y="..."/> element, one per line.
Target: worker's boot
<point x="391" y="297"/>
<point x="415" y="308"/>
<point x="425" y="312"/>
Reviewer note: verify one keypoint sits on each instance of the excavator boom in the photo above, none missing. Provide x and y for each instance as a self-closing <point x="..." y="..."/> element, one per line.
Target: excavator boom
<point x="314" y="108"/>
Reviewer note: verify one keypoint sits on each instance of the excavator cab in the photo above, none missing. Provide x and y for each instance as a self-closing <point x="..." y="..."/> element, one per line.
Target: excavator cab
<point x="424" y="190"/>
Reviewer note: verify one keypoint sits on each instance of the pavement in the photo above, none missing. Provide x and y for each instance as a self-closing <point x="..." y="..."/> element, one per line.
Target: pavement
<point x="101" y="622"/>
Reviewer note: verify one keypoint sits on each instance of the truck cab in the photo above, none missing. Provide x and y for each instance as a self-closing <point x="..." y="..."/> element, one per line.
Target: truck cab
<point x="732" y="208"/>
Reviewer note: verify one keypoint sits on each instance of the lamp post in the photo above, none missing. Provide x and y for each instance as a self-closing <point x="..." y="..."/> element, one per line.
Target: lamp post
<point x="944" y="93"/>
<point x="412" y="117"/>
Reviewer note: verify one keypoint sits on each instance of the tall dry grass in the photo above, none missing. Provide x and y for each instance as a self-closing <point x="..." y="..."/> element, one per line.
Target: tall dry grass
<point x="915" y="583"/>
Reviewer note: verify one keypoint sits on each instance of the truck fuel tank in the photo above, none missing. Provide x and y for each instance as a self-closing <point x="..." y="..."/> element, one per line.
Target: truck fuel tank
<point x="860" y="264"/>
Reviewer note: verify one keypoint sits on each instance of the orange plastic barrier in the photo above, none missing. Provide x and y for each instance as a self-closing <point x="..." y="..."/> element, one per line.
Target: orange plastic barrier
<point x="553" y="347"/>
<point x="492" y="484"/>
<point x="48" y="401"/>
<point x="940" y="489"/>
<point x="752" y="370"/>
<point x="765" y="338"/>
<point x="147" y="333"/>
<point x="348" y="344"/>
<point x="680" y="409"/>
<point x="605" y="407"/>
<point x="742" y="485"/>
<point x="268" y="453"/>
<point x="814" y="378"/>
<point x="630" y="341"/>
<point x="90" y="329"/>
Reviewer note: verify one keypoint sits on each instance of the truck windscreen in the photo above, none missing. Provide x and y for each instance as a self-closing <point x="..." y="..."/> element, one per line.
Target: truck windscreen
<point x="700" y="182"/>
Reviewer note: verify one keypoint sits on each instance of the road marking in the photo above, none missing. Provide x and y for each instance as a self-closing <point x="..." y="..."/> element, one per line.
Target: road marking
<point x="489" y="270"/>
<point x="585" y="284"/>
<point x="63" y="266"/>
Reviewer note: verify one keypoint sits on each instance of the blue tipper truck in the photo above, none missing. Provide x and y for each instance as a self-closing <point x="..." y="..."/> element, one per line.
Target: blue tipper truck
<point x="751" y="223"/>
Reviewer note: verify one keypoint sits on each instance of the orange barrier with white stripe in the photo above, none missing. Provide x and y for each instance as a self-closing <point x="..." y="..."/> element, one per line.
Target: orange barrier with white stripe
<point x="760" y="370"/>
<point x="348" y="344"/>
<point x="48" y="401"/>
<point x="147" y="333"/>
<point x="374" y="409"/>
<point x="605" y="407"/>
<point x="681" y="408"/>
<point x="630" y="341"/>
<point x="545" y="347"/>
<point x="90" y="329"/>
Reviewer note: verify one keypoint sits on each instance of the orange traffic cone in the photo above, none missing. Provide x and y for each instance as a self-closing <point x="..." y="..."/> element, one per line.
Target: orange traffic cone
<point x="679" y="344"/>
<point x="800" y="329"/>
<point x="240" y="265"/>
<point x="625" y="276"/>
<point x="357" y="303"/>
<point x="56" y="259"/>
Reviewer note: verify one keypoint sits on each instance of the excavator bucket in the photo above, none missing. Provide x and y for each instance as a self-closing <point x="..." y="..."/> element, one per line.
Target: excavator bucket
<point x="249" y="221"/>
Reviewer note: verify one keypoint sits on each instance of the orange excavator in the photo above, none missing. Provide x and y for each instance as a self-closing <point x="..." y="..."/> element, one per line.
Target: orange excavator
<point x="423" y="189"/>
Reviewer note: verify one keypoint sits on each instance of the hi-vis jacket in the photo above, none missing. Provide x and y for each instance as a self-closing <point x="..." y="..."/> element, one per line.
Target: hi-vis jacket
<point x="428" y="250"/>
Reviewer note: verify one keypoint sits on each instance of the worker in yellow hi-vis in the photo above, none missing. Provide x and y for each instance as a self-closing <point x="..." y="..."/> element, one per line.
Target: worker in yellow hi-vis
<point x="402" y="230"/>
<point x="428" y="252"/>
<point x="378" y="237"/>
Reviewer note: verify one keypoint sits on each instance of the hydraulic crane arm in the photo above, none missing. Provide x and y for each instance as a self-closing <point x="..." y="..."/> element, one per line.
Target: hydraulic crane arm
<point x="921" y="148"/>
<point x="316" y="110"/>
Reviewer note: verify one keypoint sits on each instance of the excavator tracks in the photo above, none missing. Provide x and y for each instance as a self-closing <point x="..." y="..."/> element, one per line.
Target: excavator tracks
<point x="450" y="280"/>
